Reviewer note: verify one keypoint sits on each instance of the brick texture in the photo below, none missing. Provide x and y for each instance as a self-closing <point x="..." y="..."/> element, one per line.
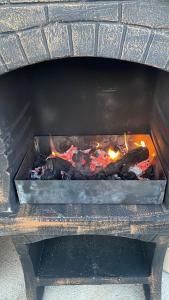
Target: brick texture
<point x="148" y="13"/>
<point x="15" y="18"/>
<point x="109" y="40"/>
<point x="33" y="44"/>
<point x="96" y="11"/>
<point x="135" y="43"/>
<point x="58" y="40"/>
<point x="3" y="68"/>
<point x="158" y="54"/>
<point x="99" y="27"/>
<point x="83" y="36"/>
<point x="11" y="52"/>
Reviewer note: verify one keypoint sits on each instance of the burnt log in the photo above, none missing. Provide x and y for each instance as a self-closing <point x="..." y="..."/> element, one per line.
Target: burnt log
<point x="57" y="165"/>
<point x="131" y="158"/>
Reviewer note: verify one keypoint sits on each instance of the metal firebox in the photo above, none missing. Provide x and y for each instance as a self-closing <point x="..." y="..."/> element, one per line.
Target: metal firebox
<point x="85" y="191"/>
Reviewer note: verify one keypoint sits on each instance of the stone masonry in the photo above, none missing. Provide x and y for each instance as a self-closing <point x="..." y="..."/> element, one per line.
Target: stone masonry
<point x="32" y="31"/>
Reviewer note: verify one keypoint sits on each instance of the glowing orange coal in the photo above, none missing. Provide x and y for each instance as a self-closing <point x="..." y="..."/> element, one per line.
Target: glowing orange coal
<point x="100" y="157"/>
<point x="67" y="155"/>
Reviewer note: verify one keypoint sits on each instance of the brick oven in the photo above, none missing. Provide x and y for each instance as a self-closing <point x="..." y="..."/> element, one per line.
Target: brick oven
<point x="84" y="140"/>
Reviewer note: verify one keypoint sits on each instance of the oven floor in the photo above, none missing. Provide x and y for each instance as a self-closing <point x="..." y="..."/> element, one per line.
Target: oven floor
<point x="10" y="266"/>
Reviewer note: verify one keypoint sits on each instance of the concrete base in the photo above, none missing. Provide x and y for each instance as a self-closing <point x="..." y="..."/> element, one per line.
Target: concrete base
<point x="12" y="283"/>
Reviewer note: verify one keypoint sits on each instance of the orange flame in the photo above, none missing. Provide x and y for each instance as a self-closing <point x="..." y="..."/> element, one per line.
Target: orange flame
<point x="125" y="142"/>
<point x="114" y="155"/>
<point x="144" y="140"/>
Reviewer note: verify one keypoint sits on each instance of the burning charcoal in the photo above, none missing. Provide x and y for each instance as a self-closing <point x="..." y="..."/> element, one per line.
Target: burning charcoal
<point x="135" y="156"/>
<point x="81" y="158"/>
<point x="131" y="158"/>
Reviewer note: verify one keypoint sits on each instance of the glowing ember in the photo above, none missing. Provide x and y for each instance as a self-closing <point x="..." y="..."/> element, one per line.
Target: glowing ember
<point x="121" y="157"/>
<point x="113" y="155"/>
<point x="68" y="155"/>
<point x="144" y="140"/>
<point x="98" y="145"/>
<point x="141" y="144"/>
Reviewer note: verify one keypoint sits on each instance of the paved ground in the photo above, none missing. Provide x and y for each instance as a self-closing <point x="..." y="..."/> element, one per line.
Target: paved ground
<point x="12" y="283"/>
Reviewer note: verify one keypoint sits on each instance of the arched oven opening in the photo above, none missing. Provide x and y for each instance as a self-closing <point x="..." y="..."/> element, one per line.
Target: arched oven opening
<point x="84" y="130"/>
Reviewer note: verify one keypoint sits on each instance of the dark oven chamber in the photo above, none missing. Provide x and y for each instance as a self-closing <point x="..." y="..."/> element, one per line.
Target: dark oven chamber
<point x="86" y="130"/>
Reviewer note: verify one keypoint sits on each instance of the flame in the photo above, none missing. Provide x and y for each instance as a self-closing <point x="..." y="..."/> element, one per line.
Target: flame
<point x="141" y="144"/>
<point x="125" y="142"/>
<point x="113" y="154"/>
<point x="101" y="157"/>
<point x="52" y="145"/>
<point x="144" y="140"/>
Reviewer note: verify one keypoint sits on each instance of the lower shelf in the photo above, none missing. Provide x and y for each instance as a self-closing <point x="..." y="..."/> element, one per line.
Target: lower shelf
<point x="93" y="259"/>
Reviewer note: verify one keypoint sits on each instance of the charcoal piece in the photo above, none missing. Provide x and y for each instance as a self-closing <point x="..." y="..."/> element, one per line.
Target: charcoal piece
<point x="39" y="161"/>
<point x="131" y="158"/>
<point x="81" y="158"/>
<point x="135" y="156"/>
<point x="48" y="175"/>
<point x="76" y="174"/>
<point x="149" y="173"/>
<point x="128" y="176"/>
<point x="65" y="176"/>
<point x="58" y="164"/>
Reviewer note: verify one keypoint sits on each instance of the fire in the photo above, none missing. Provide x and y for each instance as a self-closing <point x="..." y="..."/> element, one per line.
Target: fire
<point x="99" y="157"/>
<point x="114" y="155"/>
<point x="144" y="140"/>
<point x="125" y="142"/>
<point x="141" y="144"/>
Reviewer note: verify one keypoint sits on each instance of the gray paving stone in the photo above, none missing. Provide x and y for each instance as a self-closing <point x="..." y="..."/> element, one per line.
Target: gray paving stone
<point x="58" y="40"/>
<point x="21" y="17"/>
<point x="11" y="52"/>
<point x="95" y="11"/>
<point x="109" y="40"/>
<point x="135" y="43"/>
<point x="146" y="13"/>
<point x="158" y="54"/>
<point x="33" y="44"/>
<point x="83" y="37"/>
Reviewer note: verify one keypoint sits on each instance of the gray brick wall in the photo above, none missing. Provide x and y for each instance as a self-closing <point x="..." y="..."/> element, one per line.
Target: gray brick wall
<point x="109" y="40"/>
<point x="154" y="14"/>
<point x="11" y="52"/>
<point x="33" y="39"/>
<point x="135" y="43"/>
<point x="57" y="36"/>
<point x="20" y="17"/>
<point x="158" y="54"/>
<point x="38" y="30"/>
<point x="83" y="38"/>
<point x="96" y="11"/>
